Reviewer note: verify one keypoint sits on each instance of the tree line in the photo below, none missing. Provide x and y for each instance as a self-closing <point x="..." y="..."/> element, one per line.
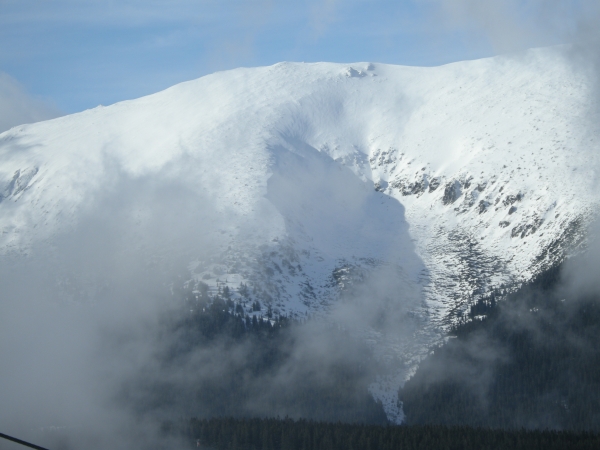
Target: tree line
<point x="288" y="434"/>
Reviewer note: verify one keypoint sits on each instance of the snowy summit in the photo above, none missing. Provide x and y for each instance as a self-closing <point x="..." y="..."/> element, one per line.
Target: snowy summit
<point x="301" y="178"/>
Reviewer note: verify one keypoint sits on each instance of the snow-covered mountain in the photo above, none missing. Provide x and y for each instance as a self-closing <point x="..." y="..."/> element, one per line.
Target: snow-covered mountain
<point x="303" y="179"/>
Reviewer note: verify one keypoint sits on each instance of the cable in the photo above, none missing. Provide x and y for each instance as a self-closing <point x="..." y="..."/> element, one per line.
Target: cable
<point x="19" y="441"/>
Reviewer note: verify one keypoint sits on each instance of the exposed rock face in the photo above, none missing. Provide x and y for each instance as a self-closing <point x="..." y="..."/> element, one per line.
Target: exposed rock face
<point x="414" y="187"/>
<point x="511" y="199"/>
<point x="483" y="206"/>
<point x="452" y="192"/>
<point x="434" y="184"/>
<point x="20" y="181"/>
<point x="526" y="229"/>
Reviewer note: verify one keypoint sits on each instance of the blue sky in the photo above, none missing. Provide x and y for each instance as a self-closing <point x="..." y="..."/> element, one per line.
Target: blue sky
<point x="76" y="54"/>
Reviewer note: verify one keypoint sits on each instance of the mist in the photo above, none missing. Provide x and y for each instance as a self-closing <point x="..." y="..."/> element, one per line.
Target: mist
<point x="71" y="306"/>
<point x="92" y="320"/>
<point x="17" y="106"/>
<point x="99" y="321"/>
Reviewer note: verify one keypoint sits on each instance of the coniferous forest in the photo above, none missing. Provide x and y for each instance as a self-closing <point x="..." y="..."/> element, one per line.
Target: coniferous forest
<point x="521" y="371"/>
<point x="531" y="360"/>
<point x="287" y="434"/>
<point x="248" y="365"/>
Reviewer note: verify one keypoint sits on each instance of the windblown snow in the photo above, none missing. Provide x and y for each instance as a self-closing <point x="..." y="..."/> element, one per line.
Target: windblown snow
<point x="303" y="179"/>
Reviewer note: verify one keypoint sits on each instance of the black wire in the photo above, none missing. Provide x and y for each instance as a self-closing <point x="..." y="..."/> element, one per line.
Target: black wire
<point x="19" y="441"/>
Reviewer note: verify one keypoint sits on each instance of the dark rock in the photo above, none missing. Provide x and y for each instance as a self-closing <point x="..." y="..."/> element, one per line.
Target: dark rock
<point x="510" y="199"/>
<point x="383" y="157"/>
<point x="512" y="210"/>
<point x="482" y="206"/>
<point x="525" y="230"/>
<point x="410" y="187"/>
<point x="415" y="188"/>
<point x="434" y="184"/>
<point x="504" y="224"/>
<point x="451" y="193"/>
<point x="470" y="199"/>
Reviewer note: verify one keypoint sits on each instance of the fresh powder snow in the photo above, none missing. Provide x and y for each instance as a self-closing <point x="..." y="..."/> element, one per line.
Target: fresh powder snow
<point x="305" y="179"/>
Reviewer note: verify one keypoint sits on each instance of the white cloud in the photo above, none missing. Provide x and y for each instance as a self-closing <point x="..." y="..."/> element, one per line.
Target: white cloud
<point x="18" y="107"/>
<point x="513" y="25"/>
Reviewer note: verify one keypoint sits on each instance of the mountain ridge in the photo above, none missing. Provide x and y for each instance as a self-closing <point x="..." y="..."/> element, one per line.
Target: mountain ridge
<point x="396" y="194"/>
<point x="444" y="174"/>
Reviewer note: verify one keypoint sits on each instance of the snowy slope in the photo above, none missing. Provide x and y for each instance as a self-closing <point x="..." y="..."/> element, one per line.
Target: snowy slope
<point x="302" y="179"/>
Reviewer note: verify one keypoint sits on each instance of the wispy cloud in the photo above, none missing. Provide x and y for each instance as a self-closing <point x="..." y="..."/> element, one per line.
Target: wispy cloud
<point x="513" y="25"/>
<point x="18" y="107"/>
